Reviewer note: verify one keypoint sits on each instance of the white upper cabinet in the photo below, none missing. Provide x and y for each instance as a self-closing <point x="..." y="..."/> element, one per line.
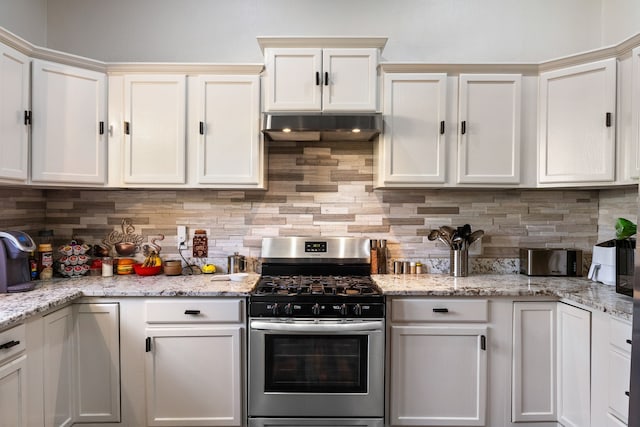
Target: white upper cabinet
<point x="634" y="140"/>
<point x="229" y="147"/>
<point x="14" y="107"/>
<point x="310" y="79"/>
<point x="577" y="124"/>
<point x="68" y="143"/>
<point x="154" y="129"/>
<point x="411" y="152"/>
<point x="489" y="130"/>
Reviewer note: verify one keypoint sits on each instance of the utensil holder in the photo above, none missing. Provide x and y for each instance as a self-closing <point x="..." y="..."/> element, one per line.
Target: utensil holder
<point x="459" y="263"/>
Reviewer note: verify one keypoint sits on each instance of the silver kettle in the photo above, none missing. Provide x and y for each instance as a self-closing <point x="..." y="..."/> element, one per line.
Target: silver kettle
<point x="236" y="263"/>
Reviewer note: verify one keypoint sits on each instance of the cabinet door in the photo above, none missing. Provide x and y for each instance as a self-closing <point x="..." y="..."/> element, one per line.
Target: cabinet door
<point x="574" y="366"/>
<point x="69" y="113"/>
<point x="294" y="80"/>
<point x="13" y="393"/>
<point x="57" y="356"/>
<point x="97" y="362"/>
<point x="634" y="166"/>
<point x="534" y="362"/>
<point x="14" y="104"/>
<point x="349" y="80"/>
<point x="438" y="376"/>
<point x="193" y="376"/>
<point x="577" y="124"/>
<point x="230" y="149"/>
<point x="155" y="138"/>
<point x="489" y="132"/>
<point x="412" y="151"/>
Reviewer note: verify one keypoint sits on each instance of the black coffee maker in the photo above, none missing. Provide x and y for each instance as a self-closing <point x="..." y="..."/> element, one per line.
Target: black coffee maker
<point x="15" y="275"/>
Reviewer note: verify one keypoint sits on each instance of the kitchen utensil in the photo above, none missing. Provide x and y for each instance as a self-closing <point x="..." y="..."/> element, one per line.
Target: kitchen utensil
<point x="475" y="236"/>
<point x="433" y="234"/>
<point x="236" y="263"/>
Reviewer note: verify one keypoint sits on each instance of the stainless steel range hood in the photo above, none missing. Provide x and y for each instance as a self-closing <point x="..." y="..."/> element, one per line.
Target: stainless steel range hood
<point x="322" y="127"/>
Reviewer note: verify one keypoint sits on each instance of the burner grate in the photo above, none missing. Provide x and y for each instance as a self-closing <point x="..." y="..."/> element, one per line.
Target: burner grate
<point x="316" y="285"/>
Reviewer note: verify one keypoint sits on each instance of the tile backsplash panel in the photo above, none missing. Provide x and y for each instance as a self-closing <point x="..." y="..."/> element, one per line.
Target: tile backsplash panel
<point x="327" y="189"/>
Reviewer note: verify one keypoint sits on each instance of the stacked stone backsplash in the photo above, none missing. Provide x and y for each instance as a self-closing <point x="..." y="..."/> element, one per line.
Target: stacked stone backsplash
<point x="327" y="189"/>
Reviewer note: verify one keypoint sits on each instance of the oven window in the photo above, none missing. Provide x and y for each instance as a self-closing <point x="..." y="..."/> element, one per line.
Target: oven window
<point x="316" y="363"/>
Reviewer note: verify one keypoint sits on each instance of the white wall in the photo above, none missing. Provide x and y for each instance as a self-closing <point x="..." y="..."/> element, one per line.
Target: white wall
<point x="25" y="18"/>
<point x="418" y="30"/>
<point x="620" y="20"/>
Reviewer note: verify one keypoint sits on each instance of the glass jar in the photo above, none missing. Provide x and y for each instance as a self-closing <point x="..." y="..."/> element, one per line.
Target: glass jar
<point x="200" y="244"/>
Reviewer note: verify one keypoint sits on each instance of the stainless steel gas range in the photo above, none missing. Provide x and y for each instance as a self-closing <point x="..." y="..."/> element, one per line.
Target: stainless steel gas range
<point x="316" y="335"/>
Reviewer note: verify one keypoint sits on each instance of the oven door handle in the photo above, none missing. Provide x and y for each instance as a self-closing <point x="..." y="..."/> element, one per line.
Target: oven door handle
<point x="376" y="325"/>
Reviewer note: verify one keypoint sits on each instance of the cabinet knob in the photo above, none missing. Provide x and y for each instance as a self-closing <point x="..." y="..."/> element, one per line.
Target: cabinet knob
<point x="317" y="78"/>
<point x="442" y="127"/>
<point x="201" y="128"/>
<point x="440" y="310"/>
<point x="127" y="130"/>
<point x="608" y="120"/>
<point x="463" y="127"/>
<point x="192" y="312"/>
<point x="326" y="78"/>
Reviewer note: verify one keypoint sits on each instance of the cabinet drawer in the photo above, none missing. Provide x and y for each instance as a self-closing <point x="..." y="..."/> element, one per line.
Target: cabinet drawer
<point x="619" y="374"/>
<point x="195" y="311"/>
<point x="12" y="342"/>
<point x="620" y="335"/>
<point x="439" y="310"/>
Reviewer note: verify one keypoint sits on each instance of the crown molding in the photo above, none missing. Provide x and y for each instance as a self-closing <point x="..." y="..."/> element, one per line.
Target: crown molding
<point x="321" y="42"/>
<point x="454" y="69"/>
<point x="183" y="68"/>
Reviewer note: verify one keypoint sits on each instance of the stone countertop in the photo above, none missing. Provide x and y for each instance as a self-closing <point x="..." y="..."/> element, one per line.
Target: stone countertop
<point x="572" y="289"/>
<point x="51" y="294"/>
<point x="47" y="295"/>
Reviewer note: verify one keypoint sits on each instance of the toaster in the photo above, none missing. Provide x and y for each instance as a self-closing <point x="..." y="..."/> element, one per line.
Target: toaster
<point x="550" y="262"/>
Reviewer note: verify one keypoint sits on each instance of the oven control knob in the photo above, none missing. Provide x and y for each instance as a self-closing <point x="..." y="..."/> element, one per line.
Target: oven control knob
<point x="344" y="310"/>
<point x="315" y="309"/>
<point x="357" y="310"/>
<point x="274" y="309"/>
<point x="288" y="309"/>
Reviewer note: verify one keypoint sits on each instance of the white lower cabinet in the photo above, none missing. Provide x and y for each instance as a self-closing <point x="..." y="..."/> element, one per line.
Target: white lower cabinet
<point x="58" y="368"/>
<point x="438" y="370"/>
<point x="13" y="396"/>
<point x="533" y="395"/>
<point x="96" y="362"/>
<point x="193" y="363"/>
<point x="574" y="366"/>
<point x="13" y="381"/>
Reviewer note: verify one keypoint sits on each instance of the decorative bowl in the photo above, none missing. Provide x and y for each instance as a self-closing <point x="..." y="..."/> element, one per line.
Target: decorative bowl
<point x="126" y="248"/>
<point x="147" y="271"/>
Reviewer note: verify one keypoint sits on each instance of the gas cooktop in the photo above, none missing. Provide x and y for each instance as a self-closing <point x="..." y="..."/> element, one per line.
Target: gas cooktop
<point x="316" y="285"/>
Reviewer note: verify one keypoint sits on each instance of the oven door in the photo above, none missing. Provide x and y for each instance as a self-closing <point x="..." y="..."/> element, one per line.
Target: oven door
<point x="316" y="368"/>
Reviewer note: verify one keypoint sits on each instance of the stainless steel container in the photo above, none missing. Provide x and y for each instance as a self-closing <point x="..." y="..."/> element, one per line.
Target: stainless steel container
<point x="236" y="263"/>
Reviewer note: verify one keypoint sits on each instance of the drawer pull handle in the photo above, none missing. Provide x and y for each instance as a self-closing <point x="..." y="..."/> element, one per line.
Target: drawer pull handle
<point x="629" y="342"/>
<point x="147" y="344"/>
<point x="442" y="127"/>
<point x="193" y="312"/>
<point x="483" y="342"/>
<point x="440" y="310"/>
<point x="9" y="344"/>
<point x="607" y="120"/>
<point x="626" y="393"/>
